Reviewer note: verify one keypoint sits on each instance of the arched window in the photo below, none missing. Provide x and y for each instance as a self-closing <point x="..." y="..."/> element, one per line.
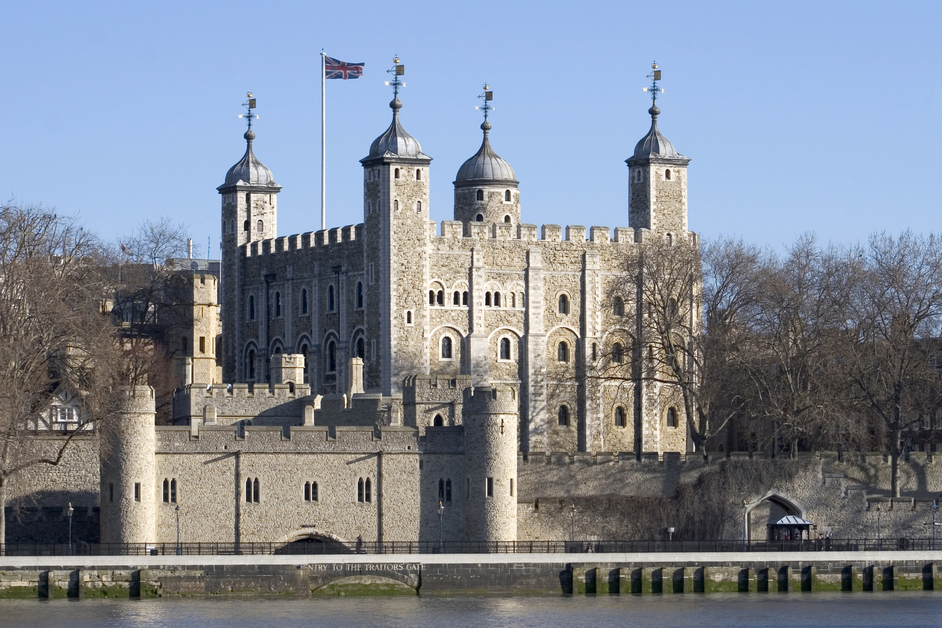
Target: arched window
<point x="507" y="218"/>
<point x="480" y="218"/>
<point x="307" y="491"/>
<point x="395" y="205"/>
<point x="330" y="298"/>
<point x="487" y="299"/>
<point x="408" y="317"/>
<point x="618" y="307"/>
<point x="366" y="491"/>
<point x="396" y="173"/>
<point x="277" y="350"/>
<point x="513" y="299"/>
<point x="563" y="415"/>
<point x="464" y="298"/>
<point x="418" y="175"/>
<point x="248" y="490"/>
<point x="670" y="240"/>
<point x="620" y="417"/>
<point x="251" y="307"/>
<point x="245" y="226"/>
<point x="504" y="348"/>
<point x="480" y="195"/>
<point x="440" y="297"/>
<point x="314" y="494"/>
<point x="563" y="304"/>
<point x="456" y="298"/>
<point x="562" y="351"/>
<point x="507" y="197"/>
<point x="359" y="295"/>
<point x="360" y="490"/>
<point x="331" y="357"/>
<point x="431" y="297"/>
<point x="361" y="348"/>
<point x="497" y="299"/>
<point x="255" y="491"/>
<point x="618" y="353"/>
<point x="418" y="206"/>
<point x="438" y="421"/>
<point x="277" y="304"/>
<point x="671" y="417"/>
<point x="166" y="491"/>
<point x="667" y="175"/>
<point x="260" y="226"/>
<point x="250" y="363"/>
<point x="303" y="300"/>
<point x="446" y="347"/>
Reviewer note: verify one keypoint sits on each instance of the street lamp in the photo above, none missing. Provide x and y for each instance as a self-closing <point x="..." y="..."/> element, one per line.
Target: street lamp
<point x="572" y="523"/>
<point x="179" y="549"/>
<point x="70" y="527"/>
<point x="670" y="532"/>
<point x="441" y="528"/>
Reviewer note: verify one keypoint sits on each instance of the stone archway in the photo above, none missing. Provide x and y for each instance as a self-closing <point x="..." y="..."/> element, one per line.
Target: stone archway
<point x="310" y="542"/>
<point x="777" y="501"/>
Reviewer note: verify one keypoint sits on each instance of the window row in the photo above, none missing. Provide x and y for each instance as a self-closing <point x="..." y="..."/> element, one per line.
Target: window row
<point x="508" y="197"/>
<point x="170" y="491"/>
<point x="491" y="299"/>
<point x="619" y="416"/>
<point x="444" y="490"/>
<point x="303" y="305"/>
<point x="364" y="491"/>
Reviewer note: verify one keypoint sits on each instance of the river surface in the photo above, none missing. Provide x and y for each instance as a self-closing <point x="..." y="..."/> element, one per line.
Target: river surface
<point x="909" y="609"/>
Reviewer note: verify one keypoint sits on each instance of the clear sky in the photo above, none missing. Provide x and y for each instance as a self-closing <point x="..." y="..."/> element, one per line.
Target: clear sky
<point x="798" y="116"/>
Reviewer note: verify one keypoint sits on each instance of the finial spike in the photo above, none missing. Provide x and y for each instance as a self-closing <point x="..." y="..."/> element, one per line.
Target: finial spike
<point x="397" y="70"/>
<point x="487" y="97"/>
<point x="655" y="76"/>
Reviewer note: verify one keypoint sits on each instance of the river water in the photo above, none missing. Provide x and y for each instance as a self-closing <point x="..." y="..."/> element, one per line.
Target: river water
<point x="909" y="609"/>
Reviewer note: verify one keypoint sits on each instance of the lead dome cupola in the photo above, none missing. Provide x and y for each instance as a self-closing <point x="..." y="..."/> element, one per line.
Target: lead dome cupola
<point x="486" y="166"/>
<point x="654" y="144"/>
<point x="395" y="141"/>
<point x="249" y="171"/>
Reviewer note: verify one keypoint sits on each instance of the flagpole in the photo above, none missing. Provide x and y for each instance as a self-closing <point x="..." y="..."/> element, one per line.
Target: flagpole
<point x="323" y="142"/>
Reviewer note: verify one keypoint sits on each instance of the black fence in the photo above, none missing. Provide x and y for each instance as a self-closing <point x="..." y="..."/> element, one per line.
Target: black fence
<point x="314" y="547"/>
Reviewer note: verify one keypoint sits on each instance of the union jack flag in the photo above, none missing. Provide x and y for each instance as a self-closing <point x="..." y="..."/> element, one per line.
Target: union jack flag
<point x="335" y="69"/>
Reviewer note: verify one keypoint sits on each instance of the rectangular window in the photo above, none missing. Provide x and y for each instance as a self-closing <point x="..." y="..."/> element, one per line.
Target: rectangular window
<point x="371" y="273"/>
<point x="511" y="487"/>
<point x="137" y="491"/>
<point x="202" y="344"/>
<point x="173" y="491"/>
<point x="467" y="492"/>
<point x="490" y="487"/>
<point x="111" y="492"/>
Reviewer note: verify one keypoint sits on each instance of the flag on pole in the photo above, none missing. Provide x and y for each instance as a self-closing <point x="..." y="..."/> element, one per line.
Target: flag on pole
<point x="335" y="69"/>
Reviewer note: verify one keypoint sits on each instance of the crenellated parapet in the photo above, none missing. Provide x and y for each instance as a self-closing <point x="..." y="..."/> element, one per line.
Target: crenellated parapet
<point x="324" y="239"/>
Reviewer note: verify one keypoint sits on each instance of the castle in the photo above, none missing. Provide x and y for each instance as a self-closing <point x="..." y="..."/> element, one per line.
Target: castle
<point x="397" y="382"/>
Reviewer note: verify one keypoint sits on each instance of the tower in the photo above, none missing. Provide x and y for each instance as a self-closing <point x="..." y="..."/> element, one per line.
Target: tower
<point x="657" y="178"/>
<point x="490" y="433"/>
<point x="128" y="466"/>
<point x="486" y="187"/>
<point x="249" y="214"/>
<point x="396" y="221"/>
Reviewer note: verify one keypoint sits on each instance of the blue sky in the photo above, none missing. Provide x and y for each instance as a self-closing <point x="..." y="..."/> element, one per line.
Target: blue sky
<point x="798" y="116"/>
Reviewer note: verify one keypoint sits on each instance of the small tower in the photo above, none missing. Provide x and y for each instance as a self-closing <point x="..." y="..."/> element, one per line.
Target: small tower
<point x="249" y="214"/>
<point x="128" y="467"/>
<point x="398" y="235"/>
<point x="490" y="434"/>
<point x="657" y="178"/>
<point x="486" y="186"/>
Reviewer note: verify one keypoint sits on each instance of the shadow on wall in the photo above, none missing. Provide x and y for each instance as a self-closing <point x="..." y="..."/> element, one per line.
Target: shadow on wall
<point x="27" y="522"/>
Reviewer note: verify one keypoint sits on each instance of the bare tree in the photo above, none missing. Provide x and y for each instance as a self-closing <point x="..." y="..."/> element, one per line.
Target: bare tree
<point x="55" y="338"/>
<point x="893" y="323"/>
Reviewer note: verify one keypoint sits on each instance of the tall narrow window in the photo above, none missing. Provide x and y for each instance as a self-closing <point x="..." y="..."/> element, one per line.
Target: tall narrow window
<point x="260" y="226"/>
<point x="418" y="175"/>
<point x="507" y="197"/>
<point x="251" y="308"/>
<point x="331" y="357"/>
<point x="618" y="306"/>
<point x="667" y="175"/>
<point x="464" y="298"/>
<point x="487" y="299"/>
<point x="620" y="418"/>
<point x="307" y="491"/>
<point x="418" y="206"/>
<point x="395" y="205"/>
<point x="562" y="351"/>
<point x="359" y="295"/>
<point x="563" y="415"/>
<point x="173" y="491"/>
<point x="250" y="364"/>
<point x="446" y="347"/>
<point x="396" y="173"/>
<point x="497" y="299"/>
<point x="137" y="491"/>
<point x="277" y="304"/>
<point x="480" y="195"/>
<point x="448" y="490"/>
<point x="456" y="298"/>
<point x="440" y="297"/>
<point x="360" y="490"/>
<point x="304" y="352"/>
<point x="366" y="490"/>
<point x="202" y="344"/>
<point x="617" y="353"/>
<point x="255" y="492"/>
<point x="408" y="317"/>
<point x="563" y="304"/>
<point x="184" y="344"/>
<point x="313" y="491"/>
<point x="361" y="348"/>
<point x="441" y="490"/>
<point x="166" y="491"/>
<point x="431" y="297"/>
<point x="110" y="492"/>
<point x="303" y="300"/>
<point x="489" y="488"/>
<point x="671" y="417"/>
<point x="504" y="348"/>
<point x="330" y="298"/>
<point x="513" y="299"/>
<point x="511" y="487"/>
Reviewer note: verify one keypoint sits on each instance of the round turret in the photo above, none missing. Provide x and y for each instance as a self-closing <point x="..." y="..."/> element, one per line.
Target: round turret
<point x="128" y="483"/>
<point x="490" y="422"/>
<point x="486" y="187"/>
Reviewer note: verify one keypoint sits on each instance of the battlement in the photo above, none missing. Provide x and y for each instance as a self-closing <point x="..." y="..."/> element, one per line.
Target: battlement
<point x="496" y="399"/>
<point x="309" y="240"/>
<point x="222" y="392"/>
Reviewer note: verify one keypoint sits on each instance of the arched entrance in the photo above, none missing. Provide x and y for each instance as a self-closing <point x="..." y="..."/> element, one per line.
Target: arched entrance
<point x="305" y="542"/>
<point x="771" y="507"/>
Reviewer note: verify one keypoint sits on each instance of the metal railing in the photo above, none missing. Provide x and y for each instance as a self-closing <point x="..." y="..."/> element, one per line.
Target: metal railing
<point x="464" y="547"/>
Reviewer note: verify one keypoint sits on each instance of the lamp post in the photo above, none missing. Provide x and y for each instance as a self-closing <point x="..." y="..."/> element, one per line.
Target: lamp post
<point x="572" y="523"/>
<point x="935" y="507"/>
<point x="670" y="532"/>
<point x="441" y="528"/>
<point x="179" y="549"/>
<point x="70" y="527"/>
<point x="879" y="529"/>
